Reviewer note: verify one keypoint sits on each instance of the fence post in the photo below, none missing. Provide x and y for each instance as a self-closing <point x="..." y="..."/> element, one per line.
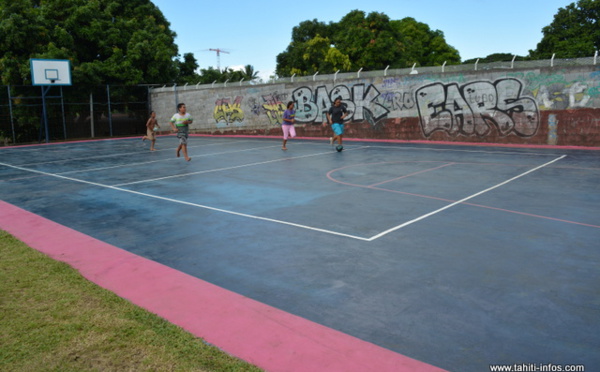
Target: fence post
<point x="110" y="128"/>
<point x="62" y="106"/>
<point x="12" y="121"/>
<point x="92" y="114"/>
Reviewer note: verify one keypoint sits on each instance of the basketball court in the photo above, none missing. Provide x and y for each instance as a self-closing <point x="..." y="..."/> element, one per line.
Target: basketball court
<point x="385" y="256"/>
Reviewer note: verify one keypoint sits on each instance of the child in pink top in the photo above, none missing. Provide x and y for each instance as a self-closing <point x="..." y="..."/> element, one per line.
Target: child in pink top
<point x="288" y="124"/>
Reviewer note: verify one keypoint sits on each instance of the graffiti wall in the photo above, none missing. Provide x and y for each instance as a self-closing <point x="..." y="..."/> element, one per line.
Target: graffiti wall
<point x="542" y="106"/>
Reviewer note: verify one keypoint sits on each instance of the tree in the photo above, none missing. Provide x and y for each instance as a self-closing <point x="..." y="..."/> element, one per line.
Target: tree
<point x="424" y="46"/>
<point x="494" y="57"/>
<point x="107" y="41"/>
<point x="574" y="32"/>
<point x="249" y="73"/>
<point x="359" y="40"/>
<point x="187" y="70"/>
<point x="297" y="58"/>
<point x="369" y="41"/>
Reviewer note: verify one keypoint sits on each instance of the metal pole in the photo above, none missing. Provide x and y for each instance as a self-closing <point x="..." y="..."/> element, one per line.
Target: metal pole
<point x="62" y="105"/>
<point x="92" y="114"/>
<point x="12" y="122"/>
<point x="176" y="97"/>
<point x="109" y="110"/>
<point x="45" y="90"/>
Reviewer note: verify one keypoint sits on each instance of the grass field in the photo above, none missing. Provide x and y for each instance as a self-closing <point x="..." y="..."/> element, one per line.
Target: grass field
<point x="53" y="319"/>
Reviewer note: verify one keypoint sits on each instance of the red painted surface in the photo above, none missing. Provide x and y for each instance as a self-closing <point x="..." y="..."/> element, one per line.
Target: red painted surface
<point x="262" y="335"/>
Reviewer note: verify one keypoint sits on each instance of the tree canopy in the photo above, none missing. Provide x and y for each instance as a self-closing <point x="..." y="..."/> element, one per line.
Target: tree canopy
<point x="359" y="40"/>
<point x="574" y="32"/>
<point x="107" y="41"/>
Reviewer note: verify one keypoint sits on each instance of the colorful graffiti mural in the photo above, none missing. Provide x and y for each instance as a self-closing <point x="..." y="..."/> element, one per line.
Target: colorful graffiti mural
<point x="361" y="102"/>
<point x="227" y="112"/>
<point x="450" y="106"/>
<point x="476" y="108"/>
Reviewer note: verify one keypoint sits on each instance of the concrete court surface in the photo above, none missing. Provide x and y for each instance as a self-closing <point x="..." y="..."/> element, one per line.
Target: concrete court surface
<point x="406" y="256"/>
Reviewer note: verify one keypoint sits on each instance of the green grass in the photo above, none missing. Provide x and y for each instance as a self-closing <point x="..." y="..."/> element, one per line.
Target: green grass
<point x="53" y="319"/>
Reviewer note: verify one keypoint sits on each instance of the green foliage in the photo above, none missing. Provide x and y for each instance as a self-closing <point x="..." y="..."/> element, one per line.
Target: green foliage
<point x="359" y="40"/>
<point x="424" y="46"/>
<point x="107" y="41"/>
<point x="574" y="32"/>
<point x="187" y="69"/>
<point x="495" y="57"/>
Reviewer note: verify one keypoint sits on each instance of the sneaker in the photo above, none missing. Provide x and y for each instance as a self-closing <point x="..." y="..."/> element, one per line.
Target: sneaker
<point x="331" y="140"/>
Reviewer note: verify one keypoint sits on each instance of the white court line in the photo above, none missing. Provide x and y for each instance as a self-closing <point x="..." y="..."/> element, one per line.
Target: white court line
<point x="374" y="237"/>
<point x="161" y="160"/>
<point x="190" y="204"/>
<point x="461" y="201"/>
<point x="460" y="150"/>
<point x="118" y="154"/>
<point x="232" y="167"/>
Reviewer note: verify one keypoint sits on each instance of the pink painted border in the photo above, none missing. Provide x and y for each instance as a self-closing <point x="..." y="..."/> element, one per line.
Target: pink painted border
<point x="262" y="335"/>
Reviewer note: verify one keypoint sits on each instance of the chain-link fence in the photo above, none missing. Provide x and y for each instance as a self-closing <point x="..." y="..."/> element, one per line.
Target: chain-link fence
<point x="464" y="68"/>
<point x="72" y="112"/>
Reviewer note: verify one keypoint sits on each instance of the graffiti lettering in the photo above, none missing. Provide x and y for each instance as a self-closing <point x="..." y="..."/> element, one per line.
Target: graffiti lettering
<point x="476" y="108"/>
<point x="397" y="100"/>
<point x="561" y="96"/>
<point x="359" y="102"/>
<point x="274" y="107"/>
<point x="228" y="113"/>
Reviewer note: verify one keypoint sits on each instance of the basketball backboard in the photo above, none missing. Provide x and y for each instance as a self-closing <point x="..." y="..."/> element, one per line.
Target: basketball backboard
<point x="50" y="71"/>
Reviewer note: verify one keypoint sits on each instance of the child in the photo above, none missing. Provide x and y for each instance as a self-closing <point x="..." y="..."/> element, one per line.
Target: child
<point x="180" y="124"/>
<point x="335" y="117"/>
<point x="151" y="127"/>
<point x="288" y="123"/>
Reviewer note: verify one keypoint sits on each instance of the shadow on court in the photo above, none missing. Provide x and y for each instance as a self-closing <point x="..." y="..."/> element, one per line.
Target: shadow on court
<point x="457" y="256"/>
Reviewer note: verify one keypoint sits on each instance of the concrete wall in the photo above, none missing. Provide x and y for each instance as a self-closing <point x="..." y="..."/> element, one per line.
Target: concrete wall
<point x="549" y="106"/>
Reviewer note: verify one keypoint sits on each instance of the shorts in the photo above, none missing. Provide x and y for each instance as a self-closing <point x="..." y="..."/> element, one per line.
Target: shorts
<point x="150" y="134"/>
<point x="288" y="131"/>
<point x="183" y="136"/>
<point x="337" y="128"/>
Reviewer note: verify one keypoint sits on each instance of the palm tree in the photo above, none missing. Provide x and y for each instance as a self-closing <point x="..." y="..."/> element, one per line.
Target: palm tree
<point x="249" y="73"/>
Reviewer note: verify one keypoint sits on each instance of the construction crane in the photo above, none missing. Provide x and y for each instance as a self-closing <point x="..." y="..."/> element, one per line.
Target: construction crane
<point x="219" y="51"/>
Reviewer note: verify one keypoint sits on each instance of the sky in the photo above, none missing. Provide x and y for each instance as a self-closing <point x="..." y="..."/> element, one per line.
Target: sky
<point x="255" y="32"/>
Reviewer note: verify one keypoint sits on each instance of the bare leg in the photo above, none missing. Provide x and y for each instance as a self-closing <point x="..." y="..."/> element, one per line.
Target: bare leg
<point x="185" y="154"/>
<point x="152" y="145"/>
<point x="283" y="147"/>
<point x="179" y="149"/>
